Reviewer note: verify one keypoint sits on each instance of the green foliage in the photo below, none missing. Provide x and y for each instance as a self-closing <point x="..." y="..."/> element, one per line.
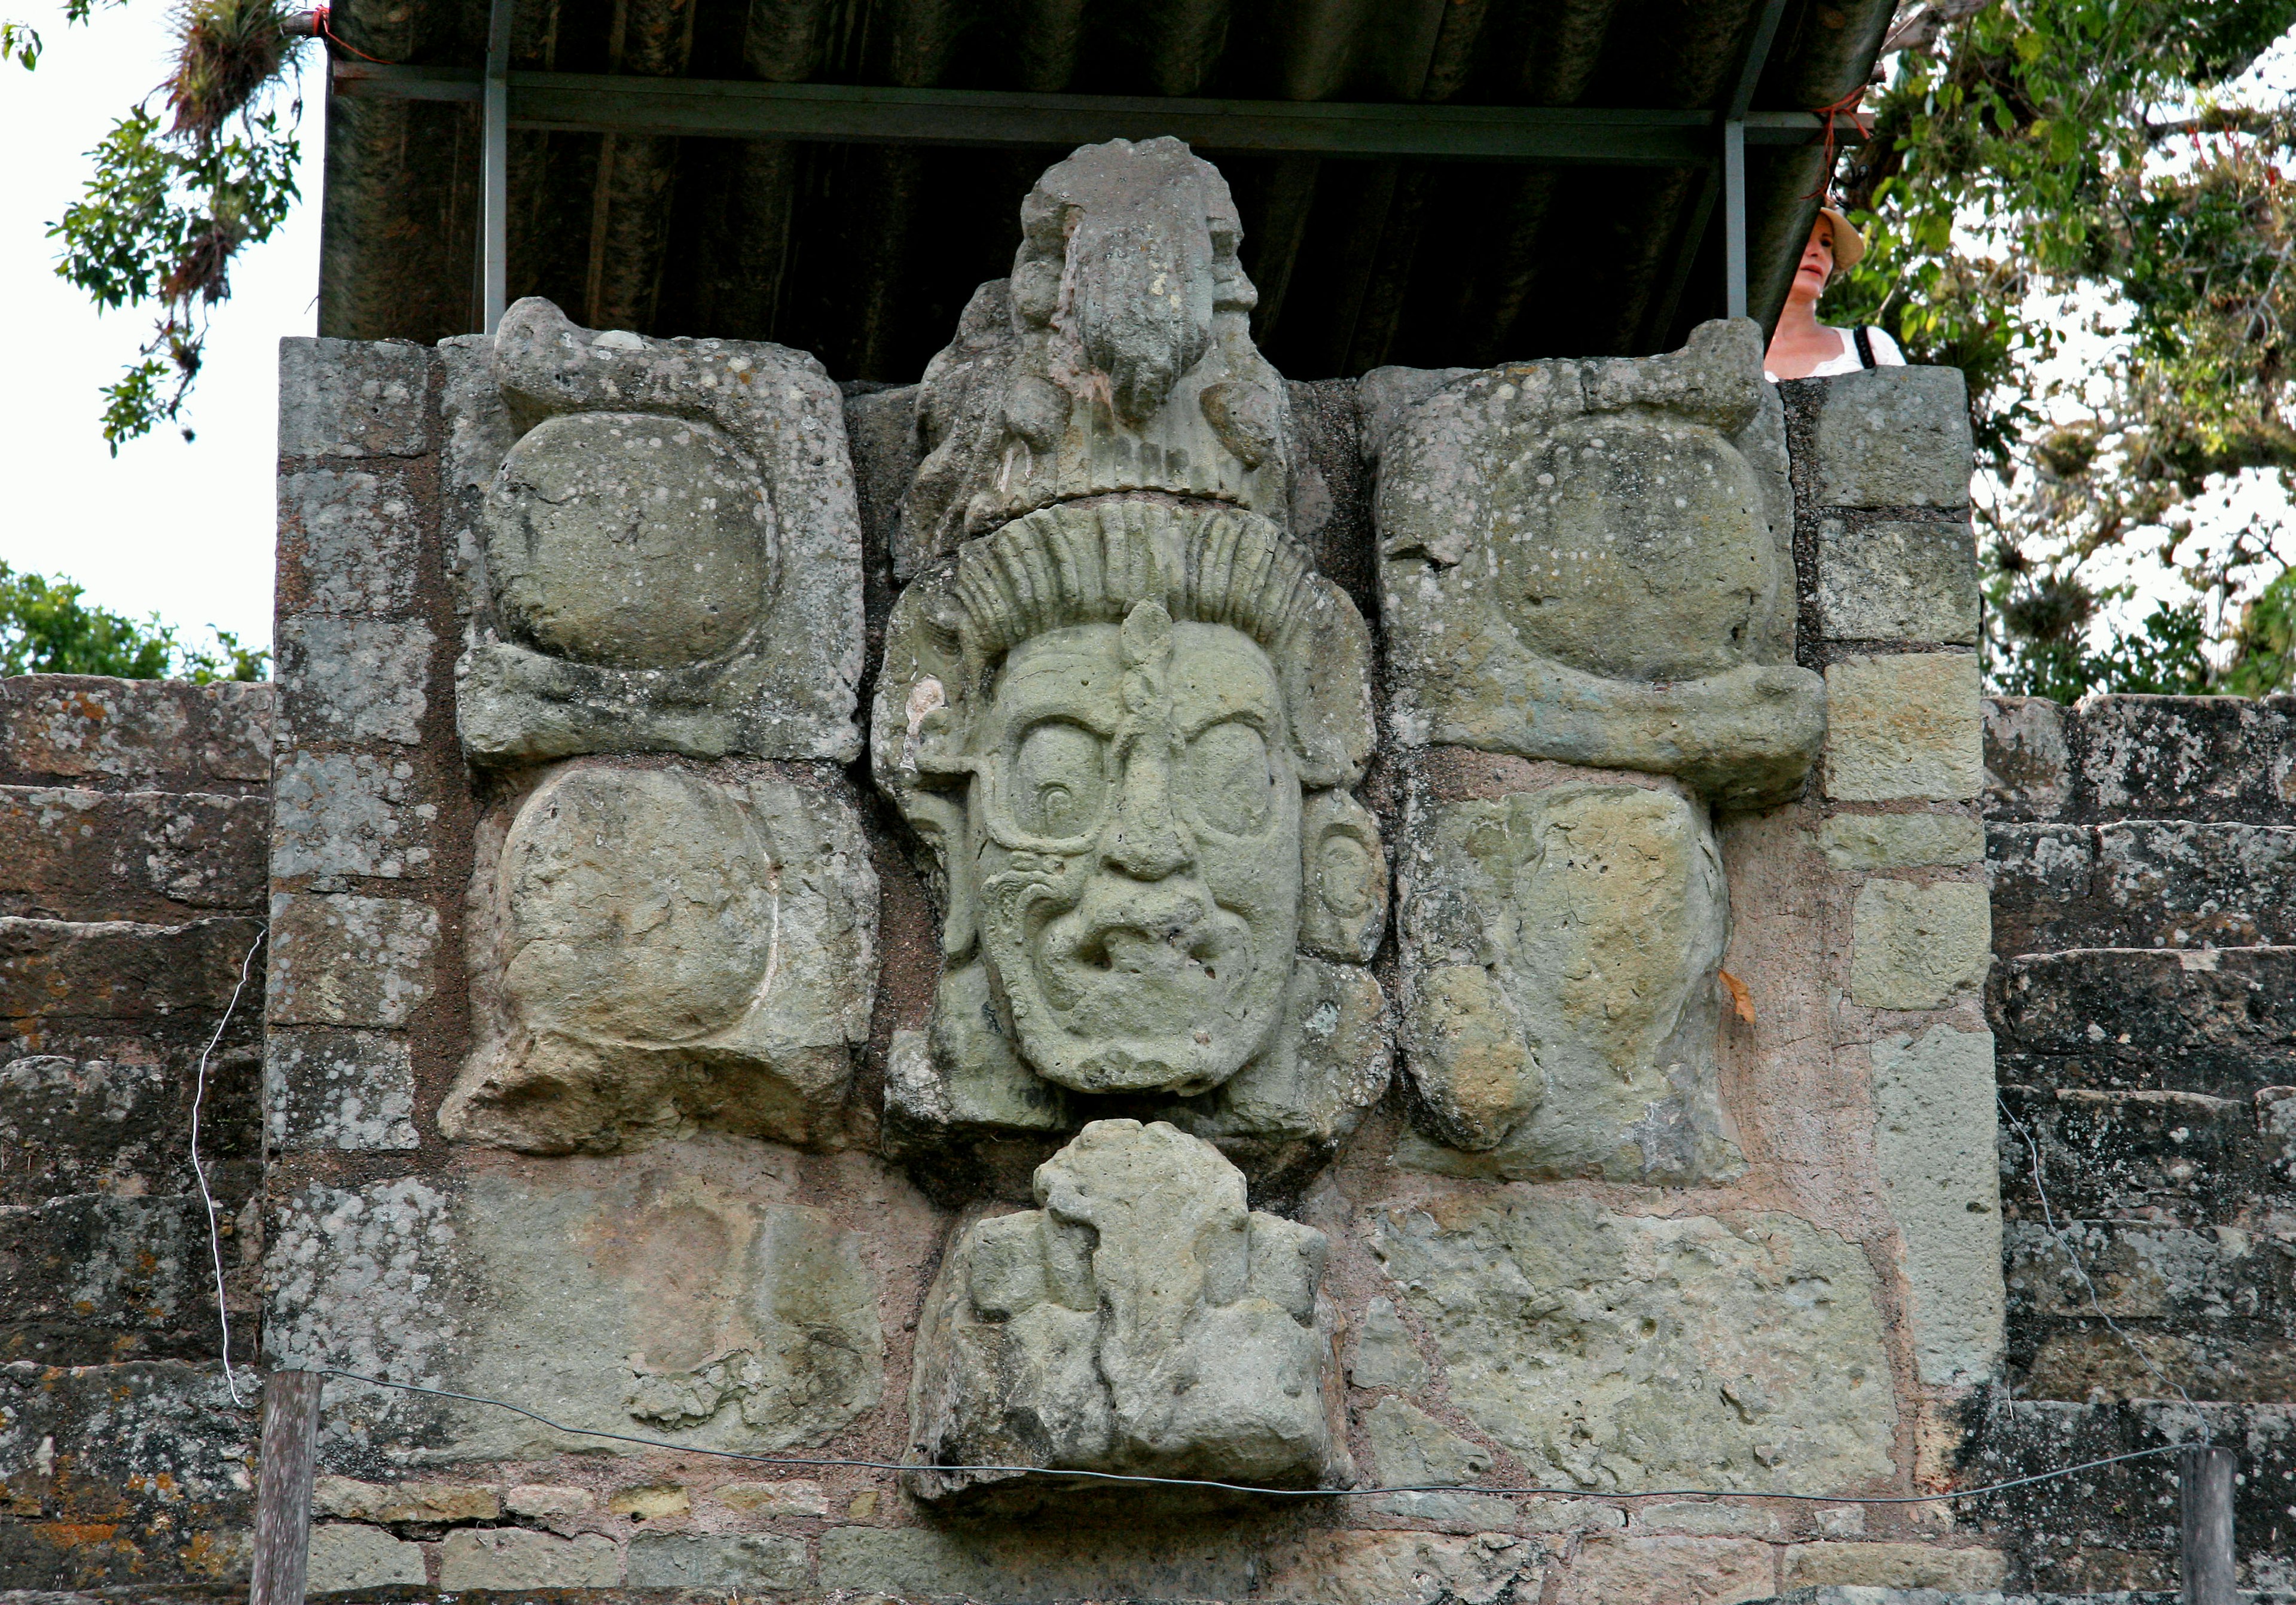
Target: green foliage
<point x="19" y="42"/>
<point x="46" y="629"/>
<point x="2264" y="656"/>
<point x="166" y="209"/>
<point x="2023" y="151"/>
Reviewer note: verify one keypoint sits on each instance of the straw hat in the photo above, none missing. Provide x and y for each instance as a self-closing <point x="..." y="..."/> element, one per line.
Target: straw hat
<point x="1849" y="244"/>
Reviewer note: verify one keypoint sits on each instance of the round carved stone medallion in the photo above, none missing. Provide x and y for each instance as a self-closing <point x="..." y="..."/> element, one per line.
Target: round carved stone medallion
<point x="630" y="540"/>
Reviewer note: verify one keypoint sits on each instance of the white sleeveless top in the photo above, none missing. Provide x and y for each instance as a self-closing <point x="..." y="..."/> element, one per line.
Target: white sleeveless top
<point x="1886" y="355"/>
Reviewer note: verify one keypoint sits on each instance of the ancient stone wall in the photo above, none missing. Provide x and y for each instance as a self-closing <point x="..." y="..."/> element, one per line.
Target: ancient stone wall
<point x="135" y="833"/>
<point x="2142" y="857"/>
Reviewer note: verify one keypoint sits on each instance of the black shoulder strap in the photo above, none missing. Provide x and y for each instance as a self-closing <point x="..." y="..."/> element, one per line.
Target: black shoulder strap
<point x="1865" y="345"/>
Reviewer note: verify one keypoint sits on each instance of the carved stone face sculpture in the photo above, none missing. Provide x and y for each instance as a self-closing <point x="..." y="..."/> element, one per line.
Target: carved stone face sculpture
<point x="1139" y="871"/>
<point x="1109" y="718"/>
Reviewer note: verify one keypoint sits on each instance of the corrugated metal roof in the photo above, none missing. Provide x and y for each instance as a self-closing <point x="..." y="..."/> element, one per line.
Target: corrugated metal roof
<point x="865" y="254"/>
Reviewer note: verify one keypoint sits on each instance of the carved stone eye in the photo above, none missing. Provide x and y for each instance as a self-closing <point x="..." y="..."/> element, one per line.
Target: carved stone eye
<point x="1228" y="778"/>
<point x="1060" y="781"/>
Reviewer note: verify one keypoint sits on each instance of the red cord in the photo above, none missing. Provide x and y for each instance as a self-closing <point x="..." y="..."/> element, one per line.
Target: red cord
<point x="322" y="12"/>
<point x="1847" y="106"/>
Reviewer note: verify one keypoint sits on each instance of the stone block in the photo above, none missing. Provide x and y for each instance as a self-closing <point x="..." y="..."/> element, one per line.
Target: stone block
<point x="1892" y="438"/>
<point x="1630" y="1351"/>
<point x="649" y="1501"/>
<point x="1915" y="947"/>
<point x="514" y="1558"/>
<point x="547" y="1502"/>
<point x="349" y="540"/>
<point x="345" y="1555"/>
<point x="93" y="1279"/>
<point x="1559" y="946"/>
<point x="93" y="1126"/>
<point x="2166" y="1156"/>
<point x="348" y="960"/>
<point x="1896" y="581"/>
<point x="1904" y="727"/>
<point x="737" y="1563"/>
<point x="118" y="970"/>
<point x="797" y="1498"/>
<point x="1668" y="1570"/>
<point x="2139" y="1008"/>
<point x="1934" y="1144"/>
<point x="2192" y="758"/>
<point x="348" y="1498"/>
<point x="2173" y="883"/>
<point x="663" y="952"/>
<point x="67" y="853"/>
<point x="354" y="398"/>
<point x="1619" y="592"/>
<point x="1350" y="1567"/>
<point x="1412" y="1448"/>
<point x="2028" y="767"/>
<point x="339" y="814"/>
<point x="364" y="1279"/>
<point x="670" y="551"/>
<point x="1142" y="1320"/>
<point x="1386" y="1355"/>
<point x="1039" y="1566"/>
<point x="1901" y="841"/>
<point x="353" y="680"/>
<point x="1705" y="1519"/>
<point x="1894" y="1566"/>
<point x="352" y="1091"/>
<point x="136" y="735"/>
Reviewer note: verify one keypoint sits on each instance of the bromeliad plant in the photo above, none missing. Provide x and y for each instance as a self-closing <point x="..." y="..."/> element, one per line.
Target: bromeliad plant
<point x="177" y="194"/>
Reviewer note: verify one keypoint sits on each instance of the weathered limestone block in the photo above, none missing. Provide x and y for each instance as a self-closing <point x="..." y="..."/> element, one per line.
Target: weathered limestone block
<point x="669" y="548"/>
<point x="353" y="398"/>
<point x="1933" y="1142"/>
<point x="1126" y="731"/>
<point x="1668" y="1570"/>
<point x="68" y="852"/>
<point x="1893" y="438"/>
<point x="1414" y="1451"/>
<point x="349" y="1499"/>
<point x="514" y="1558"/>
<point x="341" y="814"/>
<point x="356" y="680"/>
<point x="345" y="1555"/>
<point x="1385" y="1355"/>
<point x="1117" y="357"/>
<point x="1874" y="1565"/>
<point x="330" y="1089"/>
<point x="136" y="735"/>
<point x="1897" y="582"/>
<point x="1625" y="1352"/>
<point x="737" y="1563"/>
<point x="1038" y="1564"/>
<point x="1906" y="726"/>
<point x="1350" y="1567"/>
<point x="348" y="960"/>
<point x="1914" y="946"/>
<point x="1560" y="940"/>
<point x="1142" y="1319"/>
<point x="1591" y="563"/>
<point x="1900" y="841"/>
<point x="659" y="951"/>
<point x="2028" y="767"/>
<point x="348" y="540"/>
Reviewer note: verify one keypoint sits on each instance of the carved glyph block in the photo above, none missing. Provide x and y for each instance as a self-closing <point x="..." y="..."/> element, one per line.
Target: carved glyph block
<point x="1591" y="563"/>
<point x="659" y="951"/>
<point x="1561" y="937"/>
<point x="668" y="546"/>
<point x="1141" y="1320"/>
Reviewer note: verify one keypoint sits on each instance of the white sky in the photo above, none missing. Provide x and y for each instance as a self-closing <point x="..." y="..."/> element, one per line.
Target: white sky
<point x="181" y="530"/>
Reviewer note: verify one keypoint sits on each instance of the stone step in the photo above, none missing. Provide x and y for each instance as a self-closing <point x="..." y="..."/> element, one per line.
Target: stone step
<point x="136" y="735"/>
<point x="2181" y="1157"/>
<point x="67" y="853"/>
<point x="2093" y="1001"/>
<point x="2215" y="1309"/>
<point x="94" y="1279"/>
<point x="124" y="971"/>
<point x="2140" y="883"/>
<point x="112" y="1474"/>
<point x="122" y="1126"/>
<point x="2117" y="1527"/>
<point x="2213" y="758"/>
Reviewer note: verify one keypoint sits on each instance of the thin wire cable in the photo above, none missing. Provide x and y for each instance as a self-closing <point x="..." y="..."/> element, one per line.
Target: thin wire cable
<point x="1240" y="1487"/>
<point x="2072" y="1257"/>
<point x="199" y="1171"/>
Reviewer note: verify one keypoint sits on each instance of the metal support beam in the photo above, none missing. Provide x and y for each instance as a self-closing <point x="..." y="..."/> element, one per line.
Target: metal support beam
<point x="494" y="171"/>
<point x="1734" y="218"/>
<point x="723" y="108"/>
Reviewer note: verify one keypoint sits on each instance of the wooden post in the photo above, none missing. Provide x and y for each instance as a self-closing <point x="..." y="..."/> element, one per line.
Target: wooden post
<point x="283" y="1486"/>
<point x="2205" y="1491"/>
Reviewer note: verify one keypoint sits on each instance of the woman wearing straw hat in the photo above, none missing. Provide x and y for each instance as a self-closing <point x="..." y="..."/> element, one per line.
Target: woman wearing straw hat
<point x="1805" y="349"/>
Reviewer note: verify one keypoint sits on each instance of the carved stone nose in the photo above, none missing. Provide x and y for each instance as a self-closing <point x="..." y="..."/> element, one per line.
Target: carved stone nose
<point x="1145" y="841"/>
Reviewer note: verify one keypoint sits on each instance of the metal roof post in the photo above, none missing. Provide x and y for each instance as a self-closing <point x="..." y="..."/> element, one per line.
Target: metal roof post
<point x="494" y="169"/>
<point x="1734" y="218"/>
